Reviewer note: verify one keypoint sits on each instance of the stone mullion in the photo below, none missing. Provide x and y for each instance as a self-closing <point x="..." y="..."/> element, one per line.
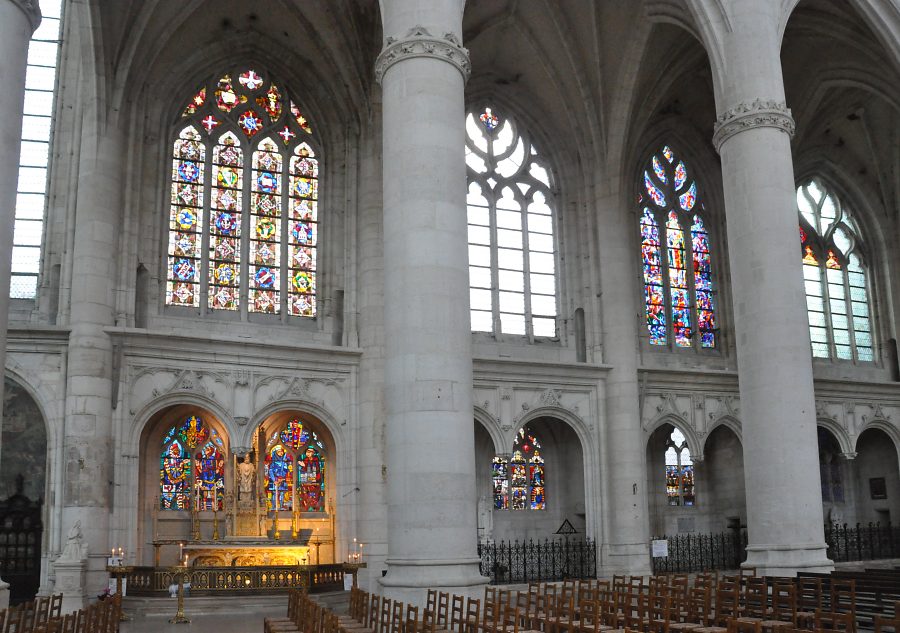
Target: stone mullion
<point x="246" y="236"/>
<point x="491" y="197"/>
<point x="283" y="282"/>
<point x="206" y="215"/>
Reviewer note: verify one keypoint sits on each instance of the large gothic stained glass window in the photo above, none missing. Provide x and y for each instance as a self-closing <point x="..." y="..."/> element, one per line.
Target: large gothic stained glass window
<point x="512" y="250"/>
<point x="244" y="201"/>
<point x="835" y="275"/>
<point x="295" y="469"/>
<point x="192" y="467"/>
<point x="680" y="301"/>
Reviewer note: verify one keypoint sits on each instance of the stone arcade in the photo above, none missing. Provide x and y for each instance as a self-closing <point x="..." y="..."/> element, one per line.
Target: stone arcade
<point x="358" y="281"/>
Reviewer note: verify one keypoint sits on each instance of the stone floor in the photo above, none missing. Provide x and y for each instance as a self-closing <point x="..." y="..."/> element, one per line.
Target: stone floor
<point x="245" y="623"/>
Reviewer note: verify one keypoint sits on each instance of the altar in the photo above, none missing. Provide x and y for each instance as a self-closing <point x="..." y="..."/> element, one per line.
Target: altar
<point x="303" y="548"/>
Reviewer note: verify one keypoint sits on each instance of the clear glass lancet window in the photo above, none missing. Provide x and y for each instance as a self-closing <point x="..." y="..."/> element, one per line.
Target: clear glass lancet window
<point x="34" y="159"/>
<point x="679" y="470"/>
<point x="512" y="249"/>
<point x="835" y="276"/>
<point x="244" y="201"/>
<point x="680" y="301"/>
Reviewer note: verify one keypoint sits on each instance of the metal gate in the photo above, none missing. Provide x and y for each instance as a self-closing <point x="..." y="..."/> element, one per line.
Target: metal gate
<point x="20" y="544"/>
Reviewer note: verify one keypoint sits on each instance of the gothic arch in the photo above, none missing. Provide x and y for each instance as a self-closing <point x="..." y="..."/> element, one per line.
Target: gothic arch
<point x="316" y="410"/>
<point x="837" y="431"/>
<point x="131" y="437"/>
<point x="726" y="420"/>
<point x="695" y="445"/>
<point x="28" y="383"/>
<point x="493" y="430"/>
<point x="882" y="425"/>
<point x="564" y="415"/>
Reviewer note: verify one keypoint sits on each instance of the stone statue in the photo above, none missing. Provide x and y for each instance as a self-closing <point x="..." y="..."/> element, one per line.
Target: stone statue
<point x="75" y="549"/>
<point x="246" y="472"/>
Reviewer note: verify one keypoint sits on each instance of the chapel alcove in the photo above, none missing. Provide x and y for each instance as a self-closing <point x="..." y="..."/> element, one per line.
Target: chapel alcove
<point x="877" y="477"/>
<point x="534" y="507"/>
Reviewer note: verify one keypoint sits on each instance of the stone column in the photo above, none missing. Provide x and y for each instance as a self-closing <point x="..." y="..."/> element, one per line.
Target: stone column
<point x="428" y="350"/>
<point x="625" y="540"/>
<point x="18" y="20"/>
<point x="88" y="436"/>
<point x="781" y="463"/>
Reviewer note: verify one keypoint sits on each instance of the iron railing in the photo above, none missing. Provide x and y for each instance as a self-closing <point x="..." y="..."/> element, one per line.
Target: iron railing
<point x="533" y="561"/>
<point x="703" y="552"/>
<point x="862" y="542"/>
<point x="148" y="581"/>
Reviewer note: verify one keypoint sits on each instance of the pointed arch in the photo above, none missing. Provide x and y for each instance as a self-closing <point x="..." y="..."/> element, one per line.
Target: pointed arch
<point x="836" y="276"/>
<point x="244" y="166"/>
<point x="511" y="229"/>
<point x="680" y="302"/>
<point x="192" y="466"/>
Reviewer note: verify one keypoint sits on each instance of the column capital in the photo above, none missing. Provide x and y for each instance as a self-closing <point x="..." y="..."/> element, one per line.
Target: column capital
<point x="748" y="115"/>
<point x="849" y="455"/>
<point x="418" y="42"/>
<point x="241" y="451"/>
<point x="31" y="10"/>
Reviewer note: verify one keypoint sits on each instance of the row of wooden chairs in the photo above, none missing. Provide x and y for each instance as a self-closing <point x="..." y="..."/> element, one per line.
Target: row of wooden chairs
<point x="28" y="616"/>
<point x="100" y="617"/>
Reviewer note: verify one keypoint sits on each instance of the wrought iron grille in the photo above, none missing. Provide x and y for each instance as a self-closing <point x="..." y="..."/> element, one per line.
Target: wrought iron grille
<point x="533" y="561"/>
<point x="862" y="542"/>
<point x="703" y="552"/>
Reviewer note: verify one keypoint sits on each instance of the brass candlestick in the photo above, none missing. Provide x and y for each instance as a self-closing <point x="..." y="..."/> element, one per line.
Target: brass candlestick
<point x="294" y="526"/>
<point x="276" y="533"/>
<point x="215" y="524"/>
<point x="195" y="524"/>
<point x="180" y="617"/>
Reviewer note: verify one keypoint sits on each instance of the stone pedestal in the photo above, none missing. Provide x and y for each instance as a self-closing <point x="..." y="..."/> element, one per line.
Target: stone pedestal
<point x="70" y="582"/>
<point x="430" y="463"/>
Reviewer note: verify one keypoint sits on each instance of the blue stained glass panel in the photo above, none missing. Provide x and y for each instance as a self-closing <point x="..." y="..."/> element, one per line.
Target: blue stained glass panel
<point x="658" y="197"/>
<point x="659" y="170"/>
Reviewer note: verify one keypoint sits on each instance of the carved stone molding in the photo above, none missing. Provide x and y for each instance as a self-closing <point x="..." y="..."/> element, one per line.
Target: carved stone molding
<point x="746" y="116"/>
<point x="240" y="451"/>
<point x="420" y="43"/>
<point x="31" y="10"/>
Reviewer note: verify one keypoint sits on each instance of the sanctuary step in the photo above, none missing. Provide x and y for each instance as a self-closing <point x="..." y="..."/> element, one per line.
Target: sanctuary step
<point x="152" y="607"/>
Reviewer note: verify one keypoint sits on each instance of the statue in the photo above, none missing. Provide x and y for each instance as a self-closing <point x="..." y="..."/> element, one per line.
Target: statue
<point x="74" y="549"/>
<point x="246" y="473"/>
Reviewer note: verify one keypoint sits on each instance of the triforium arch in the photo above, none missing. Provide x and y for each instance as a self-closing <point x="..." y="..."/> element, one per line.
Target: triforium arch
<point x="186" y="474"/>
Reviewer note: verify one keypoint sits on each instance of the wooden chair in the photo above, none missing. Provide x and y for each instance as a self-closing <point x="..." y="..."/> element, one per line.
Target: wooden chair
<point x="473" y="613"/>
<point x="698" y="615"/>
<point x="835" y="621"/>
<point x="736" y="625"/>
<point x="809" y="600"/>
<point x="657" y="618"/>
<point x="411" y="624"/>
<point x="756" y="600"/>
<point x="784" y="609"/>
<point x="396" y="625"/>
<point x="882" y="623"/>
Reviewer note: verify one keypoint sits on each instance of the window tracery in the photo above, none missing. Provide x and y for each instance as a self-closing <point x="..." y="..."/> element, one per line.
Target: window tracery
<point x="192" y="467"/>
<point x="227" y="131"/>
<point x="679" y="470"/>
<point x="519" y="482"/>
<point x="835" y="276"/>
<point x="512" y="251"/>
<point x="680" y="302"/>
<point x="295" y="469"/>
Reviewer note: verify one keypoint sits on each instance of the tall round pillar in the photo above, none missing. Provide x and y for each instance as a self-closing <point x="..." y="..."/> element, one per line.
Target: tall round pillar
<point x="781" y="463"/>
<point x="430" y="452"/>
<point x="18" y="20"/>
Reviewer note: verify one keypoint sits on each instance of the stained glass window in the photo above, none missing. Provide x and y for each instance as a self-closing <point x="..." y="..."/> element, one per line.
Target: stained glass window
<point x="680" y="303"/>
<point x="679" y="471"/>
<point x="183" y="478"/>
<point x="500" y="481"/>
<point x="512" y="248"/>
<point x="519" y="483"/>
<point x="34" y="157"/>
<point x="835" y="276"/>
<point x="295" y="448"/>
<point x="244" y="166"/>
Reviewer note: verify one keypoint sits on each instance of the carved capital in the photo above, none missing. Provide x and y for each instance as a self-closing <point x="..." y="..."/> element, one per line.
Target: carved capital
<point x="420" y="43"/>
<point x="240" y="451"/>
<point x="849" y="456"/>
<point x="31" y="10"/>
<point x="746" y="116"/>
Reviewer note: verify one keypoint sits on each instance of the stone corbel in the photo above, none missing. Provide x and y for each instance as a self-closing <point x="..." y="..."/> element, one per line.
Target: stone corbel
<point x="746" y="116"/>
<point x="850" y="455"/>
<point x="31" y="10"/>
<point x="240" y="451"/>
<point x="420" y="43"/>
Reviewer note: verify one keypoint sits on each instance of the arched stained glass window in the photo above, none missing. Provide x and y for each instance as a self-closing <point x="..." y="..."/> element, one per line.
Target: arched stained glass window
<point x="295" y="447"/>
<point x="512" y="249"/>
<point x="519" y="482"/>
<point x="835" y="275"/>
<point x="679" y="471"/>
<point x="182" y="477"/>
<point x="679" y="301"/>
<point x="243" y="165"/>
